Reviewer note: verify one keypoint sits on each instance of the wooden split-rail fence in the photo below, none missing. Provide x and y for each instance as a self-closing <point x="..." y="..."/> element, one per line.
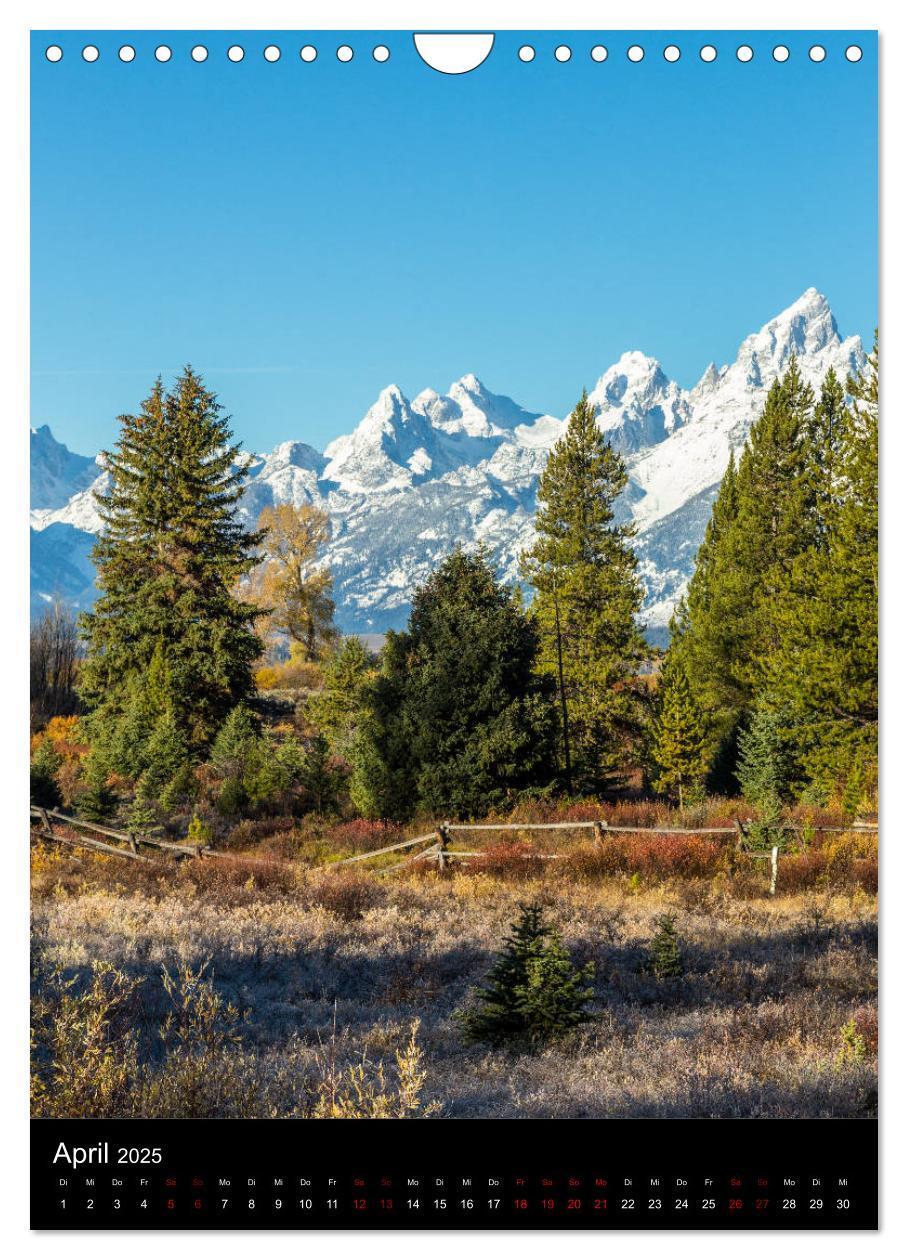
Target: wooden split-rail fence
<point x="89" y="836"/>
<point x="438" y="850"/>
<point x="440" y="853"/>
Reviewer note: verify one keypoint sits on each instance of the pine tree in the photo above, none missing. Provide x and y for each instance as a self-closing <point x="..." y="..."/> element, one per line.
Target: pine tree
<point x="679" y="743"/>
<point x="336" y="709"/>
<point x="665" y="960"/>
<point x="533" y="994"/>
<point x="704" y="631"/>
<point x="587" y="597"/>
<point x="456" y="723"/>
<point x="767" y="768"/>
<point x="43" y="788"/>
<point x="142" y="816"/>
<point x="320" y="780"/>
<point x="236" y="743"/>
<point x="168" y="558"/>
<point x="97" y="802"/>
<point x="763" y="520"/>
<point x="166" y="753"/>
<point x="381" y="751"/>
<point x="824" y="665"/>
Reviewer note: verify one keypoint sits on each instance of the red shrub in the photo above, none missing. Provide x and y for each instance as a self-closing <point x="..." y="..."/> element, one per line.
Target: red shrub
<point x="361" y="835"/>
<point x="347" y="894"/>
<point x="511" y="859"/>
<point x="866" y="1021"/>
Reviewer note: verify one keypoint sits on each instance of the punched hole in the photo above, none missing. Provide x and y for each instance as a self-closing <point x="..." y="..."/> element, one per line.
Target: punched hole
<point x="708" y="53"/>
<point x="854" y="52"/>
<point x="199" y="53"/>
<point x="308" y="53"/>
<point x="127" y="53"/>
<point x="599" y="52"/>
<point x="526" y="53"/>
<point x="745" y="53"/>
<point x="381" y="52"/>
<point x="54" y="53"/>
<point x="562" y="53"/>
<point x="453" y="54"/>
<point x="162" y="53"/>
<point x="272" y="53"/>
<point x="635" y="53"/>
<point x="345" y="53"/>
<point x="817" y="53"/>
<point x="672" y="53"/>
<point x="780" y="53"/>
<point x="90" y="53"/>
<point x="236" y="52"/>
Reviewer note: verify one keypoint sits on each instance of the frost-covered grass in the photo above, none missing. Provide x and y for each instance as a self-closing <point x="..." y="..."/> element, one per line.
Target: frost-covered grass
<point x="343" y="963"/>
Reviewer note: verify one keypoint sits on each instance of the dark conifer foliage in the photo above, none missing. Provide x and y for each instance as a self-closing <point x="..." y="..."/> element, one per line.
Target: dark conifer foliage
<point x="665" y="960"/>
<point x="168" y="633"/>
<point x="778" y="633"/>
<point x="457" y="722"/>
<point x="587" y="597"/>
<point x="533" y="994"/>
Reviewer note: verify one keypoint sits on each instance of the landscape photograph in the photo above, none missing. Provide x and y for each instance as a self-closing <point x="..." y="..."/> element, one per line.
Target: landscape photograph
<point x="495" y="749"/>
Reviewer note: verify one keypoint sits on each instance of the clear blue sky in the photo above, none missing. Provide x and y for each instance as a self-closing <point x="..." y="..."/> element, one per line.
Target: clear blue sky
<point x="306" y="234"/>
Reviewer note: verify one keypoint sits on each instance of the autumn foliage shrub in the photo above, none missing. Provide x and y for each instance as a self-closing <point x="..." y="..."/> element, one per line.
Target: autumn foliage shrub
<point x="361" y="834"/>
<point x="252" y="831"/>
<point x="232" y="878"/>
<point x="289" y="676"/>
<point x="347" y="894"/>
<point x="649" y="856"/>
<point x="511" y="859"/>
<point x="815" y="868"/>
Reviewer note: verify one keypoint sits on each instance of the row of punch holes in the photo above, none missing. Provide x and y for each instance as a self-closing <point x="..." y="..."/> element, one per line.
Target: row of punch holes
<point x="526" y="53"/>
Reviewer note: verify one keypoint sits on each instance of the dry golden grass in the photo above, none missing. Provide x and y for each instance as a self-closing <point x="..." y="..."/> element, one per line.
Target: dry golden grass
<point x="775" y="1015"/>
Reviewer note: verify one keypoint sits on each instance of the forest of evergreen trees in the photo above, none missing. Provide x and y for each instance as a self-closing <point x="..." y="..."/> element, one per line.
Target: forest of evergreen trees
<point x="768" y="687"/>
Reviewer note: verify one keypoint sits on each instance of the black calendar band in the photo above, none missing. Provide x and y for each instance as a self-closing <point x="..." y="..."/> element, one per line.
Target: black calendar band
<point x="443" y="1174"/>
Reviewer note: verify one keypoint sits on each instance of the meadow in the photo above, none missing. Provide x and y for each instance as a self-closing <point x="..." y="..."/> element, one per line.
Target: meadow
<point x="263" y="983"/>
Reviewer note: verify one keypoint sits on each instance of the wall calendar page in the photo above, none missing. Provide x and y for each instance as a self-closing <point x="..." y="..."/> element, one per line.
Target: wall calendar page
<point x="453" y="627"/>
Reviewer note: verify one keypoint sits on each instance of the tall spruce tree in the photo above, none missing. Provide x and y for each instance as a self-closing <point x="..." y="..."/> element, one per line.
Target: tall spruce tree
<point x="824" y="666"/>
<point x="704" y="631"/>
<point x="763" y="520"/>
<point x="457" y="721"/>
<point x="587" y="596"/>
<point x="168" y="559"/>
<point x="337" y="708"/>
<point x="679" y="741"/>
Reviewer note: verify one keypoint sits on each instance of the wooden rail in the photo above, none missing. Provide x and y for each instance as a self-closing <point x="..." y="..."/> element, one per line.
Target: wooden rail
<point x="47" y="817"/>
<point x="601" y="825"/>
<point x="442" y="854"/>
<point x="439" y="851"/>
<point x="389" y="848"/>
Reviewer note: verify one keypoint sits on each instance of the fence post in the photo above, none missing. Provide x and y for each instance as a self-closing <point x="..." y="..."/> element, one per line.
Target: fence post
<point x="45" y="821"/>
<point x="773" y="869"/>
<point x="443" y="837"/>
<point x="132" y="842"/>
<point x="601" y="829"/>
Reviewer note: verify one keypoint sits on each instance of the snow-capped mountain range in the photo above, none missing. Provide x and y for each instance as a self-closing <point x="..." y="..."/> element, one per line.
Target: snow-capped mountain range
<point x="417" y="477"/>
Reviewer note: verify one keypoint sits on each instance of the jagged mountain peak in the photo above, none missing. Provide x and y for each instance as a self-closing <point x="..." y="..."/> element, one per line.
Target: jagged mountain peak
<point x="414" y="478"/>
<point x="57" y="473"/>
<point x="636" y="403"/>
<point x="469" y="384"/>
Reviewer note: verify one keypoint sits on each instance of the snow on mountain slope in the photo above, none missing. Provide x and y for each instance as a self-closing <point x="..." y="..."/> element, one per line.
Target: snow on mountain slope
<point x="56" y="473"/>
<point x="726" y="401"/>
<point x="61" y="567"/>
<point x="416" y="477"/>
